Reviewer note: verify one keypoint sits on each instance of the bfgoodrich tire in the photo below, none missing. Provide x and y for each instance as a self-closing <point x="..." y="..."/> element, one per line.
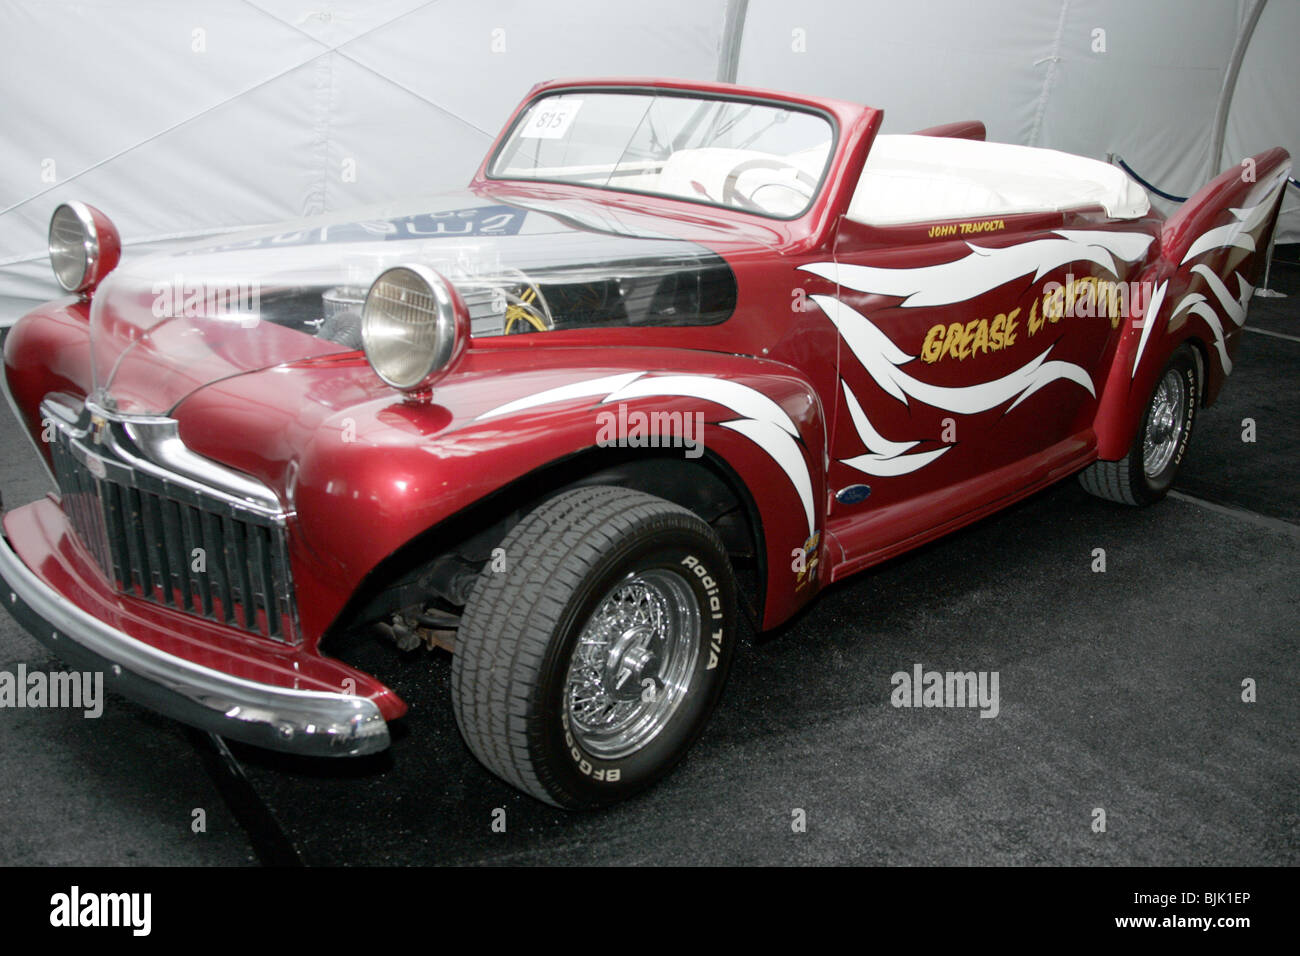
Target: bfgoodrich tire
<point x="1147" y="472"/>
<point x="588" y="665"/>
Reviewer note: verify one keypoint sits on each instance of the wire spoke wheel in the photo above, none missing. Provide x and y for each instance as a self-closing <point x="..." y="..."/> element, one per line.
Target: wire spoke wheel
<point x="1146" y="473"/>
<point x="587" y="668"/>
<point x="1165" y="424"/>
<point x="632" y="665"/>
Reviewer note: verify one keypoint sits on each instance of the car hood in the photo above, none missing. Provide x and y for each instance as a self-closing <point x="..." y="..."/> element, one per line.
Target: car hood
<point x="169" y="323"/>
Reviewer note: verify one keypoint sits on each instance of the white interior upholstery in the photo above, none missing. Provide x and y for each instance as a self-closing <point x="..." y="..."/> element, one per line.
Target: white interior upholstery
<point x="927" y="178"/>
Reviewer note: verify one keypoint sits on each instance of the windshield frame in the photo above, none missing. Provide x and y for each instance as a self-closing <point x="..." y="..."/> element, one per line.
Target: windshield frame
<point x="684" y="93"/>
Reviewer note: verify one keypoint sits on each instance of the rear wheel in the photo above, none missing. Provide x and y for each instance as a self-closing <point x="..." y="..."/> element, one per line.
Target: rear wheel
<point x="1147" y="472"/>
<point x="588" y="666"/>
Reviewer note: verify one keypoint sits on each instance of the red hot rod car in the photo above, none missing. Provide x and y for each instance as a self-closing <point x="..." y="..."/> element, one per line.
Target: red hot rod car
<point x="670" y="335"/>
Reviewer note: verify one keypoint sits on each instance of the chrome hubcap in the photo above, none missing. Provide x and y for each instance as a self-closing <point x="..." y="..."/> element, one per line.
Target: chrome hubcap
<point x="1165" y="424"/>
<point x="633" y="663"/>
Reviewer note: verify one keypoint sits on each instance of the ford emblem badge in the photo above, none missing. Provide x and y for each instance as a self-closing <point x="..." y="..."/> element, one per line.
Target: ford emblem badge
<point x="852" y="494"/>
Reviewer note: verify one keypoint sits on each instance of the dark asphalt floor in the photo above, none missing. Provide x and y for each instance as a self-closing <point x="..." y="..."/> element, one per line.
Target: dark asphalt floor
<point x="1119" y="691"/>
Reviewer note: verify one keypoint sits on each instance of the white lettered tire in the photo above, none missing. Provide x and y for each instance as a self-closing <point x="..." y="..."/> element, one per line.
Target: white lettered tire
<point x="588" y="666"/>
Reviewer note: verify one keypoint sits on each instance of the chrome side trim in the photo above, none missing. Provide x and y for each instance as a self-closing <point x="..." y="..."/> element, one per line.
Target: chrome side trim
<point x="314" y="723"/>
<point x="152" y="445"/>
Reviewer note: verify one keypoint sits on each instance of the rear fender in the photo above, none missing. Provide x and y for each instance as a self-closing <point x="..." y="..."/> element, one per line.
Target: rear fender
<point x="965" y="129"/>
<point x="1196" y="289"/>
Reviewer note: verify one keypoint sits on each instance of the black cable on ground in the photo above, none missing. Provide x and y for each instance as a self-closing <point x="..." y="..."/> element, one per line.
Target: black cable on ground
<point x="271" y="844"/>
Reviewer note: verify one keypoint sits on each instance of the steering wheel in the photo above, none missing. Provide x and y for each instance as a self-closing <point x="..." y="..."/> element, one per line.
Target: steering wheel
<point x="732" y="196"/>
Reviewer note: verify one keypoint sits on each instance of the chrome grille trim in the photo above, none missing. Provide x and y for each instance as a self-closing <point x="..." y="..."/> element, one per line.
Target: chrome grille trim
<point x="142" y="503"/>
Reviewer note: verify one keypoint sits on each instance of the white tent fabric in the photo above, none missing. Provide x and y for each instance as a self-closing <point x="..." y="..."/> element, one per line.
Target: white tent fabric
<point x="182" y="119"/>
<point x="1266" y="103"/>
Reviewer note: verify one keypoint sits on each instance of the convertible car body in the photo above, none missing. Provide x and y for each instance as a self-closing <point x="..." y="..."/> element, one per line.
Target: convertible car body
<point x="671" y="336"/>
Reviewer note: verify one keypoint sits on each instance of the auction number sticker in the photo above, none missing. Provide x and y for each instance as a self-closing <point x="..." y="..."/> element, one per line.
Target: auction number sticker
<point x="550" y="119"/>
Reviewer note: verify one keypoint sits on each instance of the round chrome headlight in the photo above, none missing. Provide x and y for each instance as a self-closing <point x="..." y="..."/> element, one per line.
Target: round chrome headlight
<point x="84" y="246"/>
<point x="413" y="326"/>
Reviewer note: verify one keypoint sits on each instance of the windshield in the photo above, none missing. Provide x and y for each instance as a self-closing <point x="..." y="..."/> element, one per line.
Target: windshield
<point x="746" y="155"/>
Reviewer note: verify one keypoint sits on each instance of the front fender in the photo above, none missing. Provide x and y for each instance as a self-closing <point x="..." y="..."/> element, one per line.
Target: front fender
<point x="47" y="350"/>
<point x="367" y="471"/>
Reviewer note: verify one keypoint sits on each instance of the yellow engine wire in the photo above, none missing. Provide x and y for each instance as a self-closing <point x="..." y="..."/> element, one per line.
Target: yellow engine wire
<point x="516" y="312"/>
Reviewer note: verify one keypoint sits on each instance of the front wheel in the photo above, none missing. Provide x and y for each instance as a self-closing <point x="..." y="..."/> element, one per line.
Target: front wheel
<point x="1147" y="472"/>
<point x="586" y="668"/>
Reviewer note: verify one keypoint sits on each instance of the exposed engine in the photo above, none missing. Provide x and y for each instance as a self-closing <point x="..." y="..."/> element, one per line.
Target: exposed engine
<point x="509" y="302"/>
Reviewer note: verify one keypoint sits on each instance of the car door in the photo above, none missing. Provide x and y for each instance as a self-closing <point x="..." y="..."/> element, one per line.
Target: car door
<point x="969" y="367"/>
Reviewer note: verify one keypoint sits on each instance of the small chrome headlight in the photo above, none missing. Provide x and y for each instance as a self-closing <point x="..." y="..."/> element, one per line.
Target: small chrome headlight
<point x="84" y="246"/>
<point x="413" y="326"/>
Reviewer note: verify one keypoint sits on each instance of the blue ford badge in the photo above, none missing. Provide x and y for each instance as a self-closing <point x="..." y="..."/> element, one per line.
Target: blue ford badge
<point x="852" y="494"/>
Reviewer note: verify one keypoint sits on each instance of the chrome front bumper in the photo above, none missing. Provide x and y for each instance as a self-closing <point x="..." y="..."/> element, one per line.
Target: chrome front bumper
<point x="310" y="722"/>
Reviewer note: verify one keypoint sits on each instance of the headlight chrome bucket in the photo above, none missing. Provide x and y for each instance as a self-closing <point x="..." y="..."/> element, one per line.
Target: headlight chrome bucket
<point x="84" y="246"/>
<point x="414" y="326"/>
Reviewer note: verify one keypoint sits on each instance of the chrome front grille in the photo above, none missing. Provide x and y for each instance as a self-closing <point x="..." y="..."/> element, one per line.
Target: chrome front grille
<point x="169" y="527"/>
